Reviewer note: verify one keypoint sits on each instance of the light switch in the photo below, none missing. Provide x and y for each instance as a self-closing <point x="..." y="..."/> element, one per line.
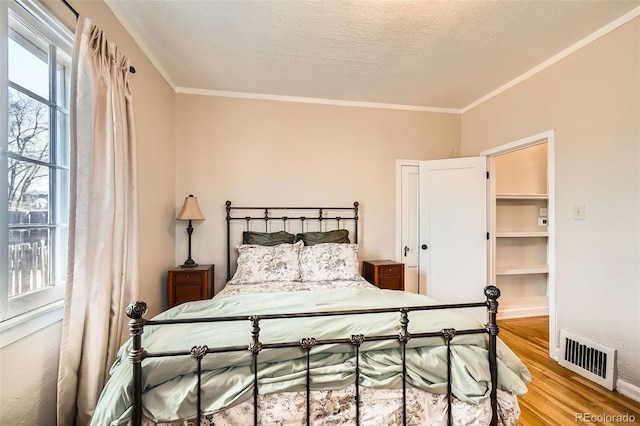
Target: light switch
<point x="578" y="212"/>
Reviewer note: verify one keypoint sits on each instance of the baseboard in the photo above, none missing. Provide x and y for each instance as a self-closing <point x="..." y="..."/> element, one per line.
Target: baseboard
<point x="628" y="390"/>
<point x="523" y="312"/>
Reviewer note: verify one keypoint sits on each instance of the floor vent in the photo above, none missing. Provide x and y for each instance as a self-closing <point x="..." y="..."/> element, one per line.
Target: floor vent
<point x="591" y="360"/>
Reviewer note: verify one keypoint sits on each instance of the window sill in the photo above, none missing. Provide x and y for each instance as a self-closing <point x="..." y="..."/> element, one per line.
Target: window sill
<point x="23" y="325"/>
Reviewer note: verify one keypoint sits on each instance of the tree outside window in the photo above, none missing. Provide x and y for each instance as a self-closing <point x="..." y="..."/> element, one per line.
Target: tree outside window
<point x="36" y="144"/>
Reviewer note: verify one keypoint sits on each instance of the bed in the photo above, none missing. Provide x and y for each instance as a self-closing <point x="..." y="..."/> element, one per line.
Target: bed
<point x="298" y="337"/>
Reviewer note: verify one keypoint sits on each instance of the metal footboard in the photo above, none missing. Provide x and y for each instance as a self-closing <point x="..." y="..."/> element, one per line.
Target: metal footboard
<point x="136" y="311"/>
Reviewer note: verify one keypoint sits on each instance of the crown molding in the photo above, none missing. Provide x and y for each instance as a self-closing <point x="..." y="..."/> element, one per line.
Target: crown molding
<point x="299" y="99"/>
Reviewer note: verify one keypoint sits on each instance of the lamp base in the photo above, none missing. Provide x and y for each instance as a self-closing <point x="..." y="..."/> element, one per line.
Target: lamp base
<point x="189" y="263"/>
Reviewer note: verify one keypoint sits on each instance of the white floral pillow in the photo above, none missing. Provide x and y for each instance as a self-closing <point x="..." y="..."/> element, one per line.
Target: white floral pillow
<point x="329" y="262"/>
<point x="267" y="263"/>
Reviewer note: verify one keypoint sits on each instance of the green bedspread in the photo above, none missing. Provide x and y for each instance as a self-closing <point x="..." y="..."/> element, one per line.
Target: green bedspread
<point x="170" y="383"/>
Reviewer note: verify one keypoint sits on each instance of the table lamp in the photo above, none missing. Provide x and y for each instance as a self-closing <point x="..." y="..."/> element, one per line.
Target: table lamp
<point x="190" y="211"/>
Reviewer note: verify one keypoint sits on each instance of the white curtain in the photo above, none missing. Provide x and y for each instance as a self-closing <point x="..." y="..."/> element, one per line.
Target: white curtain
<point x="103" y="238"/>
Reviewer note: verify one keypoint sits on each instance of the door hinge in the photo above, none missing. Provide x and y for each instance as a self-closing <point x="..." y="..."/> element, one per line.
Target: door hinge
<point x="487" y="235"/>
<point x="487" y="175"/>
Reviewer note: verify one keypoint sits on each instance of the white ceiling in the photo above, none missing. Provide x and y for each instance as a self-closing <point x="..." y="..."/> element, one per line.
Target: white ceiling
<point x="427" y="54"/>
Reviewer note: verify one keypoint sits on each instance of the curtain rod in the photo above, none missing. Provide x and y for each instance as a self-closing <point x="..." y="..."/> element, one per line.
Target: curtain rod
<point x="75" y="12"/>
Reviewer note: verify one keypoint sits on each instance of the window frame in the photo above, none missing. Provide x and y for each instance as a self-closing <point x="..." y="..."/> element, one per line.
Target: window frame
<point x="46" y="305"/>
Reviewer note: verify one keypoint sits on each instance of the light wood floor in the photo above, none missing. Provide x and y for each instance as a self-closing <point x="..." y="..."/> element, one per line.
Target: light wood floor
<point x="557" y="396"/>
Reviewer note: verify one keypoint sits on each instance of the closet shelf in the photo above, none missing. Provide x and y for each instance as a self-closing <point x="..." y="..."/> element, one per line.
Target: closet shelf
<point x="522" y="269"/>
<point x="521" y="234"/>
<point x="522" y="196"/>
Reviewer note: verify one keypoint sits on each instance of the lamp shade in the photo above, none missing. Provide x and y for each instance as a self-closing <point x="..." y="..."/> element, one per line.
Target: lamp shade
<point x="190" y="210"/>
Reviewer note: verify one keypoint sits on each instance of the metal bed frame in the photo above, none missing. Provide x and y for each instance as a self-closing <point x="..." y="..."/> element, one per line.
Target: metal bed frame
<point x="138" y="354"/>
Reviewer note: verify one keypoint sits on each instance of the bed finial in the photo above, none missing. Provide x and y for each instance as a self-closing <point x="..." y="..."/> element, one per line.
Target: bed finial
<point x="136" y="310"/>
<point x="228" y="206"/>
<point x="493" y="293"/>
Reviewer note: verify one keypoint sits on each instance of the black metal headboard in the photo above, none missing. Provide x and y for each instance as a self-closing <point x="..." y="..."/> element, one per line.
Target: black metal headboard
<point x="301" y="219"/>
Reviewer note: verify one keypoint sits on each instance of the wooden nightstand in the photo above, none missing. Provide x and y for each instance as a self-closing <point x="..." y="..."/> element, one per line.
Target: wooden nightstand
<point x="384" y="273"/>
<point x="187" y="284"/>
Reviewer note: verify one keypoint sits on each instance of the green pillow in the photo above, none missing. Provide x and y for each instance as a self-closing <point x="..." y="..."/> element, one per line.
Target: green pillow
<point x="267" y="238"/>
<point x="312" y="238"/>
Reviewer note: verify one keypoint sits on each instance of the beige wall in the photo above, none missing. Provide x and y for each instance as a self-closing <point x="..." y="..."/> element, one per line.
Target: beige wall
<point x="257" y="152"/>
<point x="27" y="389"/>
<point x="592" y="100"/>
<point x="28" y="378"/>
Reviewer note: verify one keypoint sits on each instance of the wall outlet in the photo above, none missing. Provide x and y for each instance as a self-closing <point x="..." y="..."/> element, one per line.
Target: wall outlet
<point x="543" y="221"/>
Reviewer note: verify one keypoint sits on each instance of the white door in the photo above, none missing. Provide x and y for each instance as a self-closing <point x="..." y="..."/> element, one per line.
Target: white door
<point x="453" y="229"/>
<point x="409" y="217"/>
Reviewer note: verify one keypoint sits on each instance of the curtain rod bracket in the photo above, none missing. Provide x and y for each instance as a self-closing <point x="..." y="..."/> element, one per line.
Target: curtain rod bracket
<point x="75" y="12"/>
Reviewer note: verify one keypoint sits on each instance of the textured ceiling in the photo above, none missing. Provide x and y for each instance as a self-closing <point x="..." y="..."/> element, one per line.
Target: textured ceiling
<point x="430" y="54"/>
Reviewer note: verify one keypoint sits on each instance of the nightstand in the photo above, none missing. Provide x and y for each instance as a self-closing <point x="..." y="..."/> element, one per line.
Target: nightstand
<point x="187" y="284"/>
<point x="384" y="273"/>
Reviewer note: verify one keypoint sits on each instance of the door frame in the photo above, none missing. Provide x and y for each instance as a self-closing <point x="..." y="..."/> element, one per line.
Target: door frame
<point x="399" y="164"/>
<point x="399" y="218"/>
<point x="548" y="137"/>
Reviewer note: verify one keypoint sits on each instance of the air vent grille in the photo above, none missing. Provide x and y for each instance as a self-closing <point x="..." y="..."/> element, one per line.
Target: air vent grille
<point x="589" y="359"/>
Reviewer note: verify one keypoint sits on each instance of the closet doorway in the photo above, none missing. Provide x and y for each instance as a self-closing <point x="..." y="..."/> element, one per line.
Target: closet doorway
<point x="522" y="223"/>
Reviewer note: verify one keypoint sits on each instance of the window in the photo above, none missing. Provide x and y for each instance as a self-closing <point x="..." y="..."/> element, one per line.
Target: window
<point x="34" y="158"/>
